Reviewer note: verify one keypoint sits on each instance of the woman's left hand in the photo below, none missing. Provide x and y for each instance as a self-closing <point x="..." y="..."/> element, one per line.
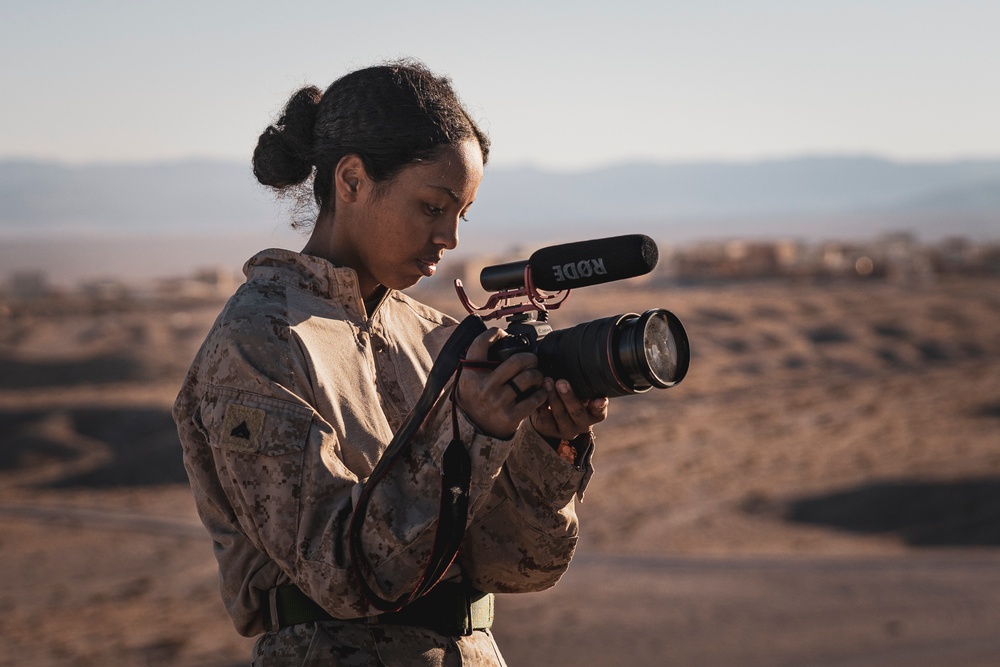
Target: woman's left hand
<point x="565" y="416"/>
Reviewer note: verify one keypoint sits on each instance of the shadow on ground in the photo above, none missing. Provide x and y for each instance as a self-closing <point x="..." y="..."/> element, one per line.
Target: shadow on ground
<point x="921" y="513"/>
<point x="126" y="446"/>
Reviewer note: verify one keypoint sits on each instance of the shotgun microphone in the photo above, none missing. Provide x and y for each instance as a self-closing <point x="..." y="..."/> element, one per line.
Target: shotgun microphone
<point x="580" y="264"/>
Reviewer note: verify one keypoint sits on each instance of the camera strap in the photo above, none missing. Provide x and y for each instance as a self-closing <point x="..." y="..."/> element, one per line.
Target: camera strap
<point x="456" y="469"/>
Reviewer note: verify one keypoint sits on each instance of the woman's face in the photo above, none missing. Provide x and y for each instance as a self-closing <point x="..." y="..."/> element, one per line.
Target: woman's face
<point x="400" y="230"/>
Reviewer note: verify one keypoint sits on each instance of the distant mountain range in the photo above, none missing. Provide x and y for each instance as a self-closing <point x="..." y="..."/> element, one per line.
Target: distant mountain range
<point x="693" y="198"/>
<point x="808" y="198"/>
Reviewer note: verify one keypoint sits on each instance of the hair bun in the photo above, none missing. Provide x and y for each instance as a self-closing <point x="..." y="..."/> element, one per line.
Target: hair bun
<point x="284" y="152"/>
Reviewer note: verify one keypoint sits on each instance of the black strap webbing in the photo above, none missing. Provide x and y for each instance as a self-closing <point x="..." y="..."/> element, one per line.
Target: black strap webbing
<point x="456" y="477"/>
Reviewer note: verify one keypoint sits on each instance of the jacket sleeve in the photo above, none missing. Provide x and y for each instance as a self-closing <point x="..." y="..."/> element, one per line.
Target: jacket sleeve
<point x="525" y="529"/>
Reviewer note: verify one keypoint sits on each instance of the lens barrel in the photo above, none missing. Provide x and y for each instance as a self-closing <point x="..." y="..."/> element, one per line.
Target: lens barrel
<point x="618" y="355"/>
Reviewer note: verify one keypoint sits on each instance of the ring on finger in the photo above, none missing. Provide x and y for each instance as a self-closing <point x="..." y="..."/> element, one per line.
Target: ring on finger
<point x="519" y="394"/>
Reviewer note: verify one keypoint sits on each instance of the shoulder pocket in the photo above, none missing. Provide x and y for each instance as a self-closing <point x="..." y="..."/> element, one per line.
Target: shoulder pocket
<point x="244" y="421"/>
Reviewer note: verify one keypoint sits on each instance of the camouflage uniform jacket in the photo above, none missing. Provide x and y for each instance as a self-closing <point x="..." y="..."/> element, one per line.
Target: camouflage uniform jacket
<point x="289" y="403"/>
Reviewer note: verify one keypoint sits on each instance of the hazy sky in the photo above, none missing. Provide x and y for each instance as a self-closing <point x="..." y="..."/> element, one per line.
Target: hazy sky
<point x="566" y="85"/>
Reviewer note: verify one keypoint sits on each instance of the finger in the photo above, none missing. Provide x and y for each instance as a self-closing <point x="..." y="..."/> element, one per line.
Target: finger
<point x="532" y="404"/>
<point x="528" y="379"/>
<point x="480" y="347"/>
<point x="525" y="383"/>
<point x="559" y="411"/>
<point x="519" y="394"/>
<point x="598" y="408"/>
<point x="575" y="409"/>
<point x="517" y="364"/>
<point x="542" y="420"/>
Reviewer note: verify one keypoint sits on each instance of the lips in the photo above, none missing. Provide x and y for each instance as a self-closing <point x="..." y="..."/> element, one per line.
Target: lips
<point x="428" y="265"/>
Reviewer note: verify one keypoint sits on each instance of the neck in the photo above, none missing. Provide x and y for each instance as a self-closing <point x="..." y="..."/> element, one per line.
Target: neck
<point x="320" y="243"/>
<point x="323" y="243"/>
<point x="372" y="301"/>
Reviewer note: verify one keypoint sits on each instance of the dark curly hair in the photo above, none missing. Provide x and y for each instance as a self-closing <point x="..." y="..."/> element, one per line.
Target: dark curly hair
<point x="390" y="116"/>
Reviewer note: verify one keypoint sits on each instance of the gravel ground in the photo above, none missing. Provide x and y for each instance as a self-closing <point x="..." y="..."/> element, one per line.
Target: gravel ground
<point x="823" y="489"/>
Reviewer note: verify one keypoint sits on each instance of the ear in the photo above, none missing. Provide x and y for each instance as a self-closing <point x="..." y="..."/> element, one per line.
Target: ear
<point x="349" y="177"/>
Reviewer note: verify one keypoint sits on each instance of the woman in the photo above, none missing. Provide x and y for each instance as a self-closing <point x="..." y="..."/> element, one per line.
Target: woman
<point x="316" y="361"/>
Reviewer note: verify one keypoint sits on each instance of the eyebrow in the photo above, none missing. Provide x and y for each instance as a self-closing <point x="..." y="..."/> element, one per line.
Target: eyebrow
<point x="448" y="191"/>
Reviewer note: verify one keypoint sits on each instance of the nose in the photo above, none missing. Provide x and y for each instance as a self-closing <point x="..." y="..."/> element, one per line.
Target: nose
<point x="446" y="234"/>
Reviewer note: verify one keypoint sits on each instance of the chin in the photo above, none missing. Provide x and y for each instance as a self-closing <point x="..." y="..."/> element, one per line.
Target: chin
<point x="402" y="284"/>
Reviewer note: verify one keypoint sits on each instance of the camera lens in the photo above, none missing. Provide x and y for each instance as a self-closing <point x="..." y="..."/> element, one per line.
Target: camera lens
<point x="653" y="349"/>
<point x="619" y="355"/>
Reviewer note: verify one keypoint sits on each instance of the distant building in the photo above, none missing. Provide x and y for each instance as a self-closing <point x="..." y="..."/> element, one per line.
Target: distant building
<point x="223" y="279"/>
<point x="732" y="260"/>
<point x="29" y="285"/>
<point x="206" y="283"/>
<point x="895" y="257"/>
<point x="106" y="289"/>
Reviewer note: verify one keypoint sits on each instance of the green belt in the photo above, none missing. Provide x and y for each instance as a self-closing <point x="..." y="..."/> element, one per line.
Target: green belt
<point x="449" y="608"/>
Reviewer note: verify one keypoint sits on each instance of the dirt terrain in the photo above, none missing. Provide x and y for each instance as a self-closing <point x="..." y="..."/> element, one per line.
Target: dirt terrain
<point x="823" y="488"/>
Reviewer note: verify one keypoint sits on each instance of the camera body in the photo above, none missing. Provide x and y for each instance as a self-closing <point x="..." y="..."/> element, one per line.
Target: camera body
<point x="523" y="335"/>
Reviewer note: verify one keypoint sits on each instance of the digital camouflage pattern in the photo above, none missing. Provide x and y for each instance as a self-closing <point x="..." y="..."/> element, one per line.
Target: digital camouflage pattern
<point x="289" y="404"/>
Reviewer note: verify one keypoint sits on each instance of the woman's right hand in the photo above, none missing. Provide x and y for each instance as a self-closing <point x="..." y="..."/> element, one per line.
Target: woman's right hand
<point x="490" y="398"/>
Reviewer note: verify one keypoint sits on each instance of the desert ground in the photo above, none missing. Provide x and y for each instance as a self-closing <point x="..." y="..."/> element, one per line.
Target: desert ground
<point x="822" y="489"/>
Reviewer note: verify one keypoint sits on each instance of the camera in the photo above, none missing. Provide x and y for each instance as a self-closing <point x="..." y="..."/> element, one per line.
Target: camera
<point x="613" y="356"/>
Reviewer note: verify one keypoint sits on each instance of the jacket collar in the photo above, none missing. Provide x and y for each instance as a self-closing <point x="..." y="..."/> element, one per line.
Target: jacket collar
<point x="311" y="274"/>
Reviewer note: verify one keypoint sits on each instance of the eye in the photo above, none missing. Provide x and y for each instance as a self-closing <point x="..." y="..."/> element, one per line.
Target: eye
<point x="433" y="210"/>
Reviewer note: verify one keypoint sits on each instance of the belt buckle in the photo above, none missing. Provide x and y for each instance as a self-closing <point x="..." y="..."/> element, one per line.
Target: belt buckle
<point x="481" y="610"/>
